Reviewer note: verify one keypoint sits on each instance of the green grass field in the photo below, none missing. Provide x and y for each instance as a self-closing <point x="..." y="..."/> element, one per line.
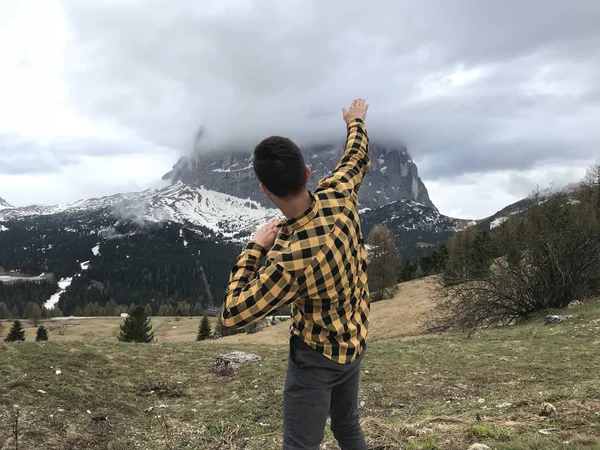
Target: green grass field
<point x="430" y="392"/>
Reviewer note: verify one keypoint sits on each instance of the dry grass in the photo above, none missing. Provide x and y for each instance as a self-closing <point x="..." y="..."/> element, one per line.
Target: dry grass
<point x="390" y="319"/>
<point x="426" y="393"/>
<point x="106" y="329"/>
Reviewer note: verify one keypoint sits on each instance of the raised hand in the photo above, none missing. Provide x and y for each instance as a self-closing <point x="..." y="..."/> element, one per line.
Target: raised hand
<point x="358" y="110"/>
<point x="267" y="234"/>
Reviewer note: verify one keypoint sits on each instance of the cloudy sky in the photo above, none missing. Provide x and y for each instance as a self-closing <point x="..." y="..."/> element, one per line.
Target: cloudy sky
<point x="492" y="98"/>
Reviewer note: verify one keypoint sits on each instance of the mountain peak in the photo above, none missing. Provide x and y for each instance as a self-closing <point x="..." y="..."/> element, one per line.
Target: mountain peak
<point x="393" y="175"/>
<point x="4" y="203"/>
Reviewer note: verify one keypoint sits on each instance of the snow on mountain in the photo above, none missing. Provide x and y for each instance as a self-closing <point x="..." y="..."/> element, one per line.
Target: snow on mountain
<point x="191" y="206"/>
<point x="54" y="298"/>
<point x="221" y="213"/>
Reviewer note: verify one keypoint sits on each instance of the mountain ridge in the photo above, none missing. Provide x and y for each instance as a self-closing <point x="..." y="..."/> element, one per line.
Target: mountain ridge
<point x="393" y="174"/>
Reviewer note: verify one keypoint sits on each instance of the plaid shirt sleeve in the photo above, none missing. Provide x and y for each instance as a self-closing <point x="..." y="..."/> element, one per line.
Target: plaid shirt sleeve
<point x="253" y="292"/>
<point x="354" y="163"/>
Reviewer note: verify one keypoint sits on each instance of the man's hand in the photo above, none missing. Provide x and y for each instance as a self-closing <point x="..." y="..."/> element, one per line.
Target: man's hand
<point x="266" y="235"/>
<point x="358" y="110"/>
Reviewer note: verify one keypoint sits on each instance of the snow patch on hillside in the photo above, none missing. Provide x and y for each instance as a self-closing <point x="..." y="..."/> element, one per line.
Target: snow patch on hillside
<point x="497" y="222"/>
<point x="63" y="284"/>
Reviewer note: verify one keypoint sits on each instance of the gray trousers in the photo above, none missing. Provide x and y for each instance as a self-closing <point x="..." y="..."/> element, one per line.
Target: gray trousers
<point x="315" y="388"/>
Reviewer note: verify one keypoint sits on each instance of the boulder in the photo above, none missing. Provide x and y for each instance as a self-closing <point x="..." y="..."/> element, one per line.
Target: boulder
<point x="479" y="447"/>
<point x="225" y="365"/>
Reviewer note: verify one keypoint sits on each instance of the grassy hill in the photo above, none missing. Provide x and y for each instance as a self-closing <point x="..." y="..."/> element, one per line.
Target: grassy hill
<point x="427" y="392"/>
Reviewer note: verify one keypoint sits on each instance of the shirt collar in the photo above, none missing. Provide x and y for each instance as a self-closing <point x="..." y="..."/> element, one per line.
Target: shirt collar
<point x="303" y="219"/>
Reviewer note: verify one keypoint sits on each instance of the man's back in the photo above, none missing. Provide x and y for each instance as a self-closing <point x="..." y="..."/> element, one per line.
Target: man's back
<point x="316" y="261"/>
<point x="325" y="252"/>
<point x="318" y="264"/>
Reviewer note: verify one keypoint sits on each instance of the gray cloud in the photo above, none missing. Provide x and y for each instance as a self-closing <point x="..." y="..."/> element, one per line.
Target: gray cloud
<point x="260" y="68"/>
<point x="471" y="87"/>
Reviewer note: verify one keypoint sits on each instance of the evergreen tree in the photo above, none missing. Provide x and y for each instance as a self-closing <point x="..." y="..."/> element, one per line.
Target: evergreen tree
<point x="78" y="311"/>
<point x="384" y="261"/>
<point x="16" y="333"/>
<point x="36" y="315"/>
<point x="28" y="311"/>
<point x="204" y="329"/>
<point x="110" y="309"/>
<point x="14" y="313"/>
<point x="42" y="334"/>
<point x="169" y="311"/>
<point x="183" y="309"/>
<point x="148" y="310"/>
<point x="162" y="310"/>
<point x="198" y="309"/>
<point x="4" y="311"/>
<point x="56" y="312"/>
<point x="137" y="327"/>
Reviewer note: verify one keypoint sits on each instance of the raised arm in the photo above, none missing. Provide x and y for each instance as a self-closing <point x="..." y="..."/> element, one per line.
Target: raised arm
<point x="354" y="163"/>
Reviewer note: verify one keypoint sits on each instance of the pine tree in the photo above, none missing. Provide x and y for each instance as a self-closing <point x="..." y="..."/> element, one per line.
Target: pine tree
<point x="384" y="261"/>
<point x="110" y="309"/>
<point x="36" y="315"/>
<point x="16" y="333"/>
<point x="198" y="309"/>
<point x="42" y="334"/>
<point x="137" y="327"/>
<point x="148" y="310"/>
<point x="4" y="311"/>
<point x="183" y="309"/>
<point x="56" y="312"/>
<point x="204" y="329"/>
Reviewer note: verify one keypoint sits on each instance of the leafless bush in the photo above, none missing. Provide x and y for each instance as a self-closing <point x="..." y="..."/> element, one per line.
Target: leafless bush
<point x="545" y="260"/>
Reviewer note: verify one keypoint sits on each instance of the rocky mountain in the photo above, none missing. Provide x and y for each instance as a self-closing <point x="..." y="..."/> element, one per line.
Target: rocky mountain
<point x="4" y="203"/>
<point x="393" y="175"/>
<point x="178" y="243"/>
<point x="417" y="228"/>
<point x="159" y="247"/>
<point x="196" y="208"/>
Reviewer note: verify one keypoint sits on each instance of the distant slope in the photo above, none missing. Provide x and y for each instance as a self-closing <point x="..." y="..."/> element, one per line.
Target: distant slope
<point x="390" y="319"/>
<point x="417" y="228"/>
<point x="4" y="203"/>
<point x="520" y="207"/>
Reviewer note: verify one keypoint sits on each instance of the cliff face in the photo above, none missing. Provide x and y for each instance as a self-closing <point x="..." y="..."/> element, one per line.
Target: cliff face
<point x="393" y="175"/>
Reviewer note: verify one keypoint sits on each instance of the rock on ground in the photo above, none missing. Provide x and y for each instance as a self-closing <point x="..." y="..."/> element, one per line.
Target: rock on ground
<point x="552" y="319"/>
<point x="548" y="410"/>
<point x="225" y="365"/>
<point x="479" y="447"/>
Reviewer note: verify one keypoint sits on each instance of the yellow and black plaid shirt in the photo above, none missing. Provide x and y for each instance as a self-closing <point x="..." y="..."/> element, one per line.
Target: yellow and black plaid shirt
<point x="318" y="264"/>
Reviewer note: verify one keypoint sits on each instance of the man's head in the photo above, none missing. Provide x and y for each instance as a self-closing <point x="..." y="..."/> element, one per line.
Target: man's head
<point x="280" y="168"/>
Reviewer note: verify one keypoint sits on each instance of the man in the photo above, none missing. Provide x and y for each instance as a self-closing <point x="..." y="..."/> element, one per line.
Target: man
<point x="315" y="261"/>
